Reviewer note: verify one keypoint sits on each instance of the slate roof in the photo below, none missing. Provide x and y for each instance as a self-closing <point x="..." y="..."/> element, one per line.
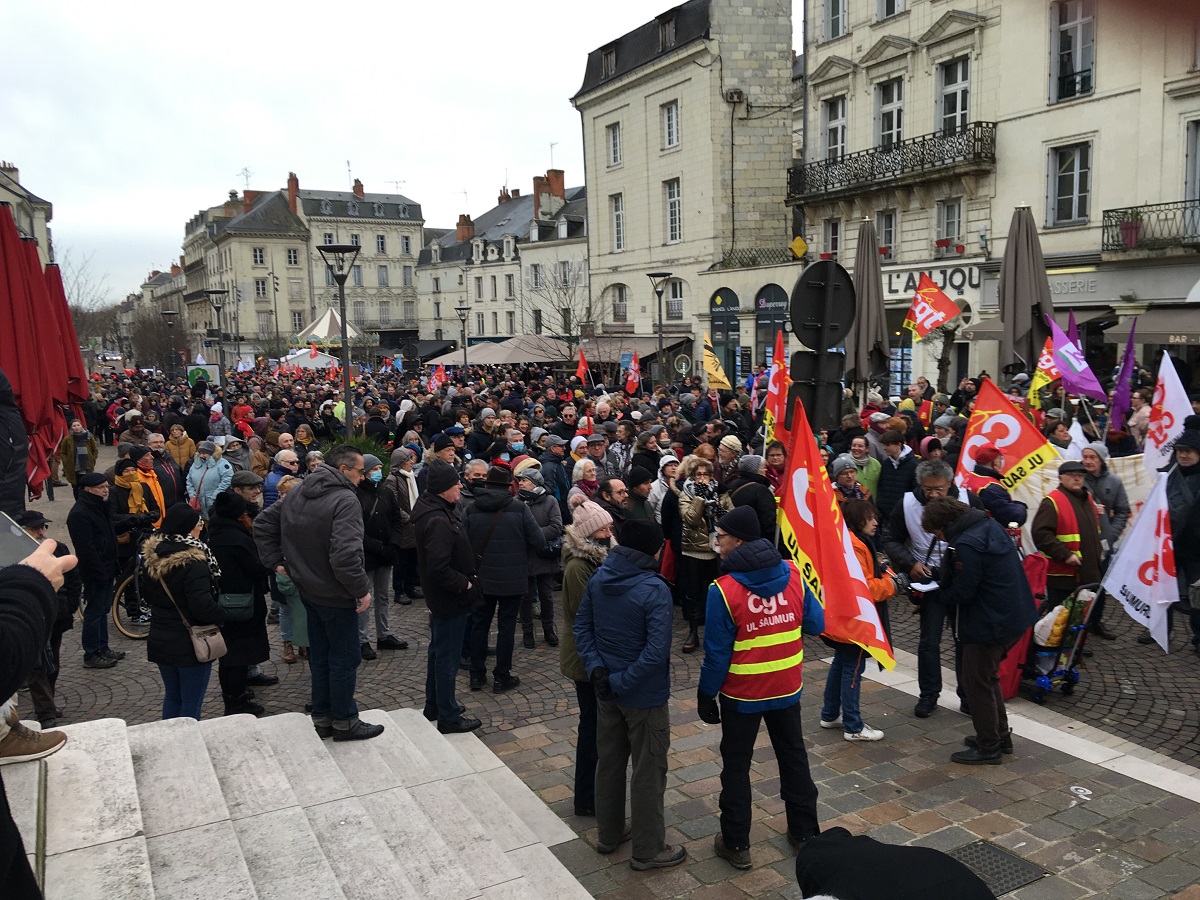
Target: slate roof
<point x="640" y="46"/>
<point x="269" y="215"/>
<point x="393" y="206"/>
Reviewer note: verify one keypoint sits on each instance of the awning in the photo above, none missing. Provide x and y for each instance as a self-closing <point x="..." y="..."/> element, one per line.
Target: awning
<point x="528" y="348"/>
<point x="609" y="348"/>
<point x="991" y="329"/>
<point x="1161" y="325"/>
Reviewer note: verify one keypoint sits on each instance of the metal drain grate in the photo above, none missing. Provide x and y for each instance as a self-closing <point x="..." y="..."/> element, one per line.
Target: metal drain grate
<point x="1001" y="870"/>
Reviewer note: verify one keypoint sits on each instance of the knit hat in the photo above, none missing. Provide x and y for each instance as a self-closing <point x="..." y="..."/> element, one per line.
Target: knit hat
<point x="639" y="475"/>
<point x="138" y="452"/>
<point x="740" y="522"/>
<point x="987" y="454"/>
<point x="751" y="464"/>
<point x="216" y="407"/>
<point x="370" y="461"/>
<point x="667" y="460"/>
<point x="441" y="442"/>
<point x="686" y="399"/>
<point x="441" y="476"/>
<point x="840" y="464"/>
<point x="179" y="519"/>
<point x="487" y="413"/>
<point x="1189" y="439"/>
<point x="946" y="421"/>
<point x="228" y="505"/>
<point x="92" y="479"/>
<point x="732" y="442"/>
<point x="587" y="517"/>
<point x="528" y="462"/>
<point x="643" y="535"/>
<point x="943" y="399"/>
<point x="875" y="398"/>
<point x="1099" y="449"/>
<point x="124" y="465"/>
<point x="533" y="474"/>
<point x="578" y="441"/>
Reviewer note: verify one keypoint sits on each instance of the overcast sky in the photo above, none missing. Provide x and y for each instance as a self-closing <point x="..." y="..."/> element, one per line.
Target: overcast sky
<point x="131" y="117"/>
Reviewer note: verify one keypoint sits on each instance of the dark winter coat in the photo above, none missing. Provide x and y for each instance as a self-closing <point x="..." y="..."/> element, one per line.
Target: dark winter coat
<point x="382" y="525"/>
<point x="444" y="556"/>
<point x="897" y="542"/>
<point x="94" y="538"/>
<point x="997" y="501"/>
<point x="1112" y="504"/>
<point x="184" y="570"/>
<point x="648" y="460"/>
<point x="755" y="491"/>
<point x="896" y="478"/>
<point x="170" y="479"/>
<point x="506" y="554"/>
<point x="581" y="557"/>
<point x="241" y="573"/>
<point x="983" y="579"/>
<point x="549" y="519"/>
<point x="1183" y="502"/>
<point x="27" y="610"/>
<point x="558" y="481"/>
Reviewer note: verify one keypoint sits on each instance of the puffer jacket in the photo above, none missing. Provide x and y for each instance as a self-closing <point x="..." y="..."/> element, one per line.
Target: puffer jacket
<point x="206" y="479"/>
<point x="548" y="517"/>
<point x="696" y="541"/>
<point x="505" y="555"/>
<point x="444" y="556"/>
<point x="581" y="557"/>
<point x="184" y="570"/>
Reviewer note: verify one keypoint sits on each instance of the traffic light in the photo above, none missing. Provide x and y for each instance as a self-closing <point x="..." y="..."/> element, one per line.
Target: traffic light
<point x="276" y="280"/>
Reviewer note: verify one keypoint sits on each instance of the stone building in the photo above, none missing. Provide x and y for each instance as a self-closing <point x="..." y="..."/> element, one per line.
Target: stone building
<point x="31" y="213"/>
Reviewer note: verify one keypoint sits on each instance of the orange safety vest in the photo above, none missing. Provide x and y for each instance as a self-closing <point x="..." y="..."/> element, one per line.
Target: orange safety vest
<point x="768" y="652"/>
<point x="1067" y="531"/>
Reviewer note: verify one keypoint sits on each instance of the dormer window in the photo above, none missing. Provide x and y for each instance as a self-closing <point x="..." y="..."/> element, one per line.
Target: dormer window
<point x="492" y="253"/>
<point x="666" y="33"/>
<point x="533" y="231"/>
<point x="608" y="62"/>
<point x="326" y="208"/>
<point x="404" y="212"/>
<point x="352" y="208"/>
<point x="477" y="250"/>
<point x="508" y="246"/>
<point x="435" y="252"/>
<point x="562" y="228"/>
<point x="379" y="210"/>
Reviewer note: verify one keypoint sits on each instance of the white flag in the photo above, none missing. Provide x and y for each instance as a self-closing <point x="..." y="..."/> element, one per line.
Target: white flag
<point x="1167" y="412"/>
<point x="1079" y="441"/>
<point x="1142" y="574"/>
<point x="200" y="360"/>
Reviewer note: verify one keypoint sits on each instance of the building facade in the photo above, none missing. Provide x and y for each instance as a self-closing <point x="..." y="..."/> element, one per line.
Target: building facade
<point x="31" y="213"/>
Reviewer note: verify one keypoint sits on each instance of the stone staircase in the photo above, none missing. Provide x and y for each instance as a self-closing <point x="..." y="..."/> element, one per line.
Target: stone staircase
<point x="246" y="808"/>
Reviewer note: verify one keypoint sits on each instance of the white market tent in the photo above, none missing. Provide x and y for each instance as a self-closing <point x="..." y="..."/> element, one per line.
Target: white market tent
<point x="328" y="329"/>
<point x="305" y="360"/>
<point x="524" y="349"/>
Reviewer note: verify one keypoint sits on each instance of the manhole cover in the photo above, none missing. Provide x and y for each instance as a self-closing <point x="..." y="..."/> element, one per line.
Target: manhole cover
<point x="1001" y="870"/>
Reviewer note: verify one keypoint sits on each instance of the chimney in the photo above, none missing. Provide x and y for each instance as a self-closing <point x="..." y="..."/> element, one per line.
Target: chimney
<point x="293" y="191"/>
<point x="231" y="205"/>
<point x="11" y="170"/>
<point x="555" y="178"/>
<point x="516" y="192"/>
<point x="504" y="197"/>
<point x="548" y="193"/>
<point x="175" y="269"/>
<point x="358" y="188"/>
<point x="465" y="230"/>
<point x="248" y="198"/>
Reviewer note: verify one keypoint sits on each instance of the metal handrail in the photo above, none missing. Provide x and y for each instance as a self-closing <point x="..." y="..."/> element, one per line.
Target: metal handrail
<point x="1155" y="226"/>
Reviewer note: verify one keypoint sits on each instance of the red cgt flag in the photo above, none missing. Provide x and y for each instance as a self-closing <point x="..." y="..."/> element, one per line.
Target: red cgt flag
<point x="997" y="420"/>
<point x="810" y="520"/>
<point x="581" y="371"/>
<point x="312" y="353"/>
<point x="930" y="308"/>
<point x="775" y="410"/>
<point x="633" y="380"/>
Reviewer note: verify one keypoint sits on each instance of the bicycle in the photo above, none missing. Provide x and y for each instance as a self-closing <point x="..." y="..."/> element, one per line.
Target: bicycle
<point x="131" y="614"/>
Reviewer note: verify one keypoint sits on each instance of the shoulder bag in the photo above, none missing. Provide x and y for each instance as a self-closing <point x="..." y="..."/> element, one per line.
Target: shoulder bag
<point x="238" y="607"/>
<point x="207" y="641"/>
<point x="194" y="503"/>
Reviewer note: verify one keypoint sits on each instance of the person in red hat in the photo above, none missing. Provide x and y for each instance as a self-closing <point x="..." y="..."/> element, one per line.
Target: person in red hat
<point x="997" y="501"/>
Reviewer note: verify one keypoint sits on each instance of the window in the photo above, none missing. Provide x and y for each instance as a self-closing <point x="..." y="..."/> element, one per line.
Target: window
<point x="265" y="325"/>
<point x="608" y="62"/>
<point x="620" y="307"/>
<point x="890" y="98"/>
<point x="407" y="276"/>
<point x="410" y="312"/>
<point x="954" y="77"/>
<point x="381" y="243"/>
<point x="437" y="309"/>
<point x="510" y="286"/>
<point x="293" y="257"/>
<point x="352" y="208"/>
<point x="949" y="226"/>
<point x="675" y="300"/>
<point x="493" y="286"/>
<point x="297" y="321"/>
<point x="566" y="319"/>
<point x="356" y="276"/>
<point x="478" y="287"/>
<point x="614" y="144"/>
<point x="835" y="19"/>
<point x="889" y="8"/>
<point x="328" y="238"/>
<point x="616" y="204"/>
<point x="327" y="210"/>
<point x="564" y="274"/>
<point x="356" y="240"/>
<point x="437" y="285"/>
<point x="1191" y="181"/>
<point x="360" y="312"/>
<point x="260" y="288"/>
<point x="406" y="245"/>
<point x="329" y="279"/>
<point x="666" y="33"/>
<point x="1074" y="46"/>
<point x="674" y="211"/>
<point x="479" y="323"/>
<point x="535" y="275"/>
<point x="260" y="256"/>
<point x="537" y="321"/>
<point x="670" y="120"/>
<point x="833" y="238"/>
<point x="885" y="226"/>
<point x="385" y="312"/>
<point x="295" y="288"/>
<point x="383" y="276"/>
<point x="1070" y="184"/>
<point x="495" y="323"/>
<point x="833" y="111"/>
<point x="511" y="321"/>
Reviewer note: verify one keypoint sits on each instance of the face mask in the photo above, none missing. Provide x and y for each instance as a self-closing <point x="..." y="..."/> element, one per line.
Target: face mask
<point x="376" y="475"/>
<point x="518" y="447"/>
<point x="476" y="483"/>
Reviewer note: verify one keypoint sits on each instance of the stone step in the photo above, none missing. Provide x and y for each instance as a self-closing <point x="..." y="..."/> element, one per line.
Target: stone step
<point x="21" y="786"/>
<point x="431" y="743"/>
<point x="537" y="816"/>
<point x="201" y="863"/>
<point x="251" y="778"/>
<point x="371" y="871"/>
<point x="311" y="772"/>
<point x="284" y="857"/>
<point x="176" y="784"/>
<point x="388" y="761"/>
<point x="469" y="842"/>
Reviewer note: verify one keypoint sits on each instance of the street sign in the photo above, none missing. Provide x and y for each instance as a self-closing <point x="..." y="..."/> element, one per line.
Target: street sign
<point x="817" y="382"/>
<point x="823" y="305"/>
<point x="798" y="246"/>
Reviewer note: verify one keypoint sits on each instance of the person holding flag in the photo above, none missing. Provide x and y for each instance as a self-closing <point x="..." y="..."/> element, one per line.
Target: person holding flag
<point x="1183" y="503"/>
<point x="757" y="614"/>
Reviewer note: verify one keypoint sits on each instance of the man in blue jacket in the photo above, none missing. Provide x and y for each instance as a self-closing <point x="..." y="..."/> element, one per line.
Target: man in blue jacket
<point x="623" y="636"/>
<point x="757" y="614"/>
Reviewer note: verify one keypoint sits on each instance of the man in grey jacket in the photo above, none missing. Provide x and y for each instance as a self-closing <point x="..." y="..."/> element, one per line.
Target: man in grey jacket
<point x="317" y="540"/>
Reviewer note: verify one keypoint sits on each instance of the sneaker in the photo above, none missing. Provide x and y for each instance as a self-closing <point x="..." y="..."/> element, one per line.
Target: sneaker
<point x="671" y="856"/>
<point x="360" y="731"/>
<point x="832" y="723"/>
<point x="98" y="661"/>
<point x="867" y="734"/>
<point x="403" y="600"/>
<point x="924" y="708"/>
<point x="507" y="683"/>
<point x="109" y="653"/>
<point x="462" y="726"/>
<point x="368" y="653"/>
<point x="527" y="640"/>
<point x="739" y="859"/>
<point x="22" y="744"/>
<point x="1006" y="744"/>
<point x="606" y="849"/>
<point x="141" y="619"/>
<point x="391" y="642"/>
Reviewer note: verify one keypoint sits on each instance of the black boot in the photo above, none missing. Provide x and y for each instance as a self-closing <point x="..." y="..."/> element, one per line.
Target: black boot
<point x="550" y="634"/>
<point x="243" y="704"/>
<point x="692" y="641"/>
<point x="527" y="640"/>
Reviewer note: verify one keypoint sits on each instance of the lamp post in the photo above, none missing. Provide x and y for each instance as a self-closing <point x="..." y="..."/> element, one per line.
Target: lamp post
<point x="659" y="281"/>
<point x="463" y="312"/>
<point x="216" y="299"/>
<point x="169" y="317"/>
<point x="339" y="261"/>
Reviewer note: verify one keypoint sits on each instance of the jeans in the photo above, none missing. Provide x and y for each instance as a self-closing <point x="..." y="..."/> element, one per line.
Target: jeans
<point x="441" y="667"/>
<point x="504" y="609"/>
<point x="842" y="687"/>
<point x="585" y="747"/>
<point x="381" y="601"/>
<point x="42" y="682"/>
<point x="695" y="575"/>
<point x="98" y="600"/>
<point x="980" y="680"/>
<point x="333" y="658"/>
<point x="797" y="790"/>
<point x="183" y="690"/>
<point x="643" y="735"/>
<point x="929" y="650"/>
<point x="541" y="588"/>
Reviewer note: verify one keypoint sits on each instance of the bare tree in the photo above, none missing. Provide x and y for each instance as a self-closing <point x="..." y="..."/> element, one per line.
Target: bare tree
<point x="89" y="300"/>
<point x="153" y="340"/>
<point x="554" y="303"/>
<point x="940" y="346"/>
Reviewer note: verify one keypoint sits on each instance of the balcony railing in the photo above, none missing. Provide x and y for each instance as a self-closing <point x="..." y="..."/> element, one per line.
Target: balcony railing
<point x="675" y="309"/>
<point x="756" y="256"/>
<point x="1160" y="226"/>
<point x="1074" y="84"/>
<point x="974" y="146"/>
<point x="620" y="311"/>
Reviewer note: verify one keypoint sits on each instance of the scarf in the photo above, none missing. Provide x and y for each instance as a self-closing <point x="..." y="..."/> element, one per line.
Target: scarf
<point x="213" y="568"/>
<point x="712" y="505"/>
<point x="851" y="493"/>
<point x="137" y="501"/>
<point x="151" y="479"/>
<point x="214" y="417"/>
<point x="589" y="488"/>
<point x="869" y="543"/>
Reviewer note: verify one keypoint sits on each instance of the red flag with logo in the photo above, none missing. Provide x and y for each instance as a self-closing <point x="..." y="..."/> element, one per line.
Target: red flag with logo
<point x="930" y="308"/>
<point x="775" y="410"/>
<point x="633" y="380"/>
<point x="312" y="353"/>
<point x="810" y="521"/>
<point x="997" y="420"/>
<point x="581" y="371"/>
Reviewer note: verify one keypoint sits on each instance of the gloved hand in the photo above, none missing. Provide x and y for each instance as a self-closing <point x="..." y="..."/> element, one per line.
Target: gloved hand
<point x="600" y="684"/>
<point x="708" y="709"/>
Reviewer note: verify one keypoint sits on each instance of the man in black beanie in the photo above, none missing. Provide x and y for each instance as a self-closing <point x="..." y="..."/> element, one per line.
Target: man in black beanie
<point x="623" y="636"/>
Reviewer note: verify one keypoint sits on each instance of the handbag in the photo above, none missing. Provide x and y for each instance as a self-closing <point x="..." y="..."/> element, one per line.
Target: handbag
<point x="207" y="641"/>
<point x="552" y="549"/>
<point x="194" y="502"/>
<point x="238" y="607"/>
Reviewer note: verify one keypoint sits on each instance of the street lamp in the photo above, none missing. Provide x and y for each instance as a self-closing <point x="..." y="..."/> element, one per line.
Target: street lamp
<point x="659" y="281"/>
<point x="169" y="317"/>
<point x="216" y="299"/>
<point x="339" y="261"/>
<point x="463" y="312"/>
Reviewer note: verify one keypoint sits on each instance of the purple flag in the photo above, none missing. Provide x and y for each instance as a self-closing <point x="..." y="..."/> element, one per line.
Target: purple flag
<point x="1120" y="404"/>
<point x="1077" y="375"/>
<point x="1072" y="328"/>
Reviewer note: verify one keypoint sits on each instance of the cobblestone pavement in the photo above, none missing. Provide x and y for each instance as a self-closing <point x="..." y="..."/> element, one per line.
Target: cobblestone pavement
<point x="1099" y="832"/>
